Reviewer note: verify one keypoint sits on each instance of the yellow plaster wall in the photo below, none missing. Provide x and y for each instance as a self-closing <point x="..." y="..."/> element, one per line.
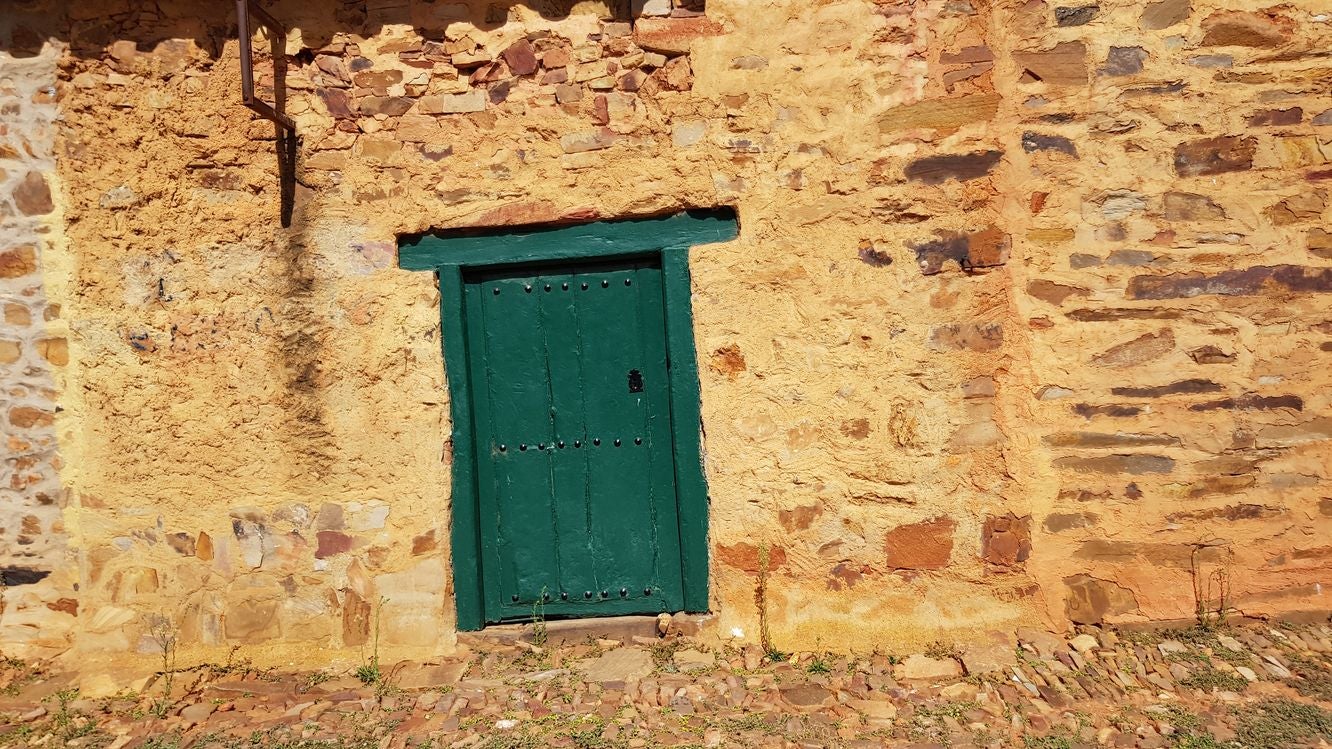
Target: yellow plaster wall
<point x="242" y="394"/>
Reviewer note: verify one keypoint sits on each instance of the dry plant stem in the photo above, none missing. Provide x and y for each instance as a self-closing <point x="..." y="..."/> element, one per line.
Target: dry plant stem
<point x="761" y="598"/>
<point x="164" y="634"/>
<point x="539" y="634"/>
<point x="1209" y="617"/>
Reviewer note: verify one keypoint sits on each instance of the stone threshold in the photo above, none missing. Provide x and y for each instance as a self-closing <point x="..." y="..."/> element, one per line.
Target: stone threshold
<point x="625" y="629"/>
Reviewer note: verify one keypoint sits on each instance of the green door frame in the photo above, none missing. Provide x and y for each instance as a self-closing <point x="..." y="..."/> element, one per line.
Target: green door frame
<point x="450" y="254"/>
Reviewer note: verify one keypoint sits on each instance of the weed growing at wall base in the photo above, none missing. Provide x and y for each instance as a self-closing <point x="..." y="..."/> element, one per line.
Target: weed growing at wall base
<point x="539" y="635"/>
<point x="15" y="673"/>
<point x="761" y="603"/>
<point x="1211" y="612"/>
<point x="70" y="724"/>
<point x="163" y="632"/>
<point x="943" y="650"/>
<point x="369" y="672"/>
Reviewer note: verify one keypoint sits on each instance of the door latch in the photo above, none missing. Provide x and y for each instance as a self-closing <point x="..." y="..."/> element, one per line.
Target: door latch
<point x="635" y="381"/>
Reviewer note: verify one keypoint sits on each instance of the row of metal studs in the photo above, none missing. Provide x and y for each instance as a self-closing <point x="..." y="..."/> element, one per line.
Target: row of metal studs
<point x="565" y="286"/>
<point x="624" y="593"/>
<point x="577" y="443"/>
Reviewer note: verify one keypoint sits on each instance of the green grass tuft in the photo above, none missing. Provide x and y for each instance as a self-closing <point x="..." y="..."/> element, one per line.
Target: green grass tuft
<point x="1281" y="723"/>
<point x="1047" y="742"/>
<point x="1209" y="679"/>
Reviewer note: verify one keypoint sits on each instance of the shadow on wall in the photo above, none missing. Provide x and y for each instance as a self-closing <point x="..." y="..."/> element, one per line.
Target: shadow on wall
<point x="90" y="26"/>
<point x="303" y="353"/>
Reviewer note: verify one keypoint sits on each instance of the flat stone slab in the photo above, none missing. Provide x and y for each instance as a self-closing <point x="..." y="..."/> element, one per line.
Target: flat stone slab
<point x="920" y="666"/>
<point x="255" y="687"/>
<point x="1083" y="643"/>
<point x="808" y="695"/>
<point x="568" y="631"/>
<point x="1171" y="646"/>
<point x="875" y="709"/>
<point x="691" y="660"/>
<point x="690" y="625"/>
<point x="621" y="664"/>
<point x="30" y="693"/>
<point x="999" y="654"/>
<point x="1046" y="644"/>
<point x="422" y="676"/>
<point x="540" y="676"/>
<point x="197" y="712"/>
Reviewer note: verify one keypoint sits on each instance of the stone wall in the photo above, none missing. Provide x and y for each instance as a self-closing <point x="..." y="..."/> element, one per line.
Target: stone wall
<point x="1173" y="291"/>
<point x="1024" y="322"/>
<point x="37" y="581"/>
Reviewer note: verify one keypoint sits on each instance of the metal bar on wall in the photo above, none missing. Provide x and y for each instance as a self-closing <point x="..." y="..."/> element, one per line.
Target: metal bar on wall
<point x="245" y="9"/>
<point x="288" y="142"/>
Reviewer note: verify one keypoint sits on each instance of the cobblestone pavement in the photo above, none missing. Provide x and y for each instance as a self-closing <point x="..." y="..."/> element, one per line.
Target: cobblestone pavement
<point x="1261" y="686"/>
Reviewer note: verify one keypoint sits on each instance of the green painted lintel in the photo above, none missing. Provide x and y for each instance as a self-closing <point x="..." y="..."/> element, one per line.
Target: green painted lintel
<point x="478" y="247"/>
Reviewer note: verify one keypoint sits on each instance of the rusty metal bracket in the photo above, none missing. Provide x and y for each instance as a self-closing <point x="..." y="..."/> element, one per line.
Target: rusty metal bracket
<point x="288" y="142"/>
<point x="245" y="10"/>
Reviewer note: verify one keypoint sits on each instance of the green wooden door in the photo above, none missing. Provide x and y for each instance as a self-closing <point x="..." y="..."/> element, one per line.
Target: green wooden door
<point x="576" y="485"/>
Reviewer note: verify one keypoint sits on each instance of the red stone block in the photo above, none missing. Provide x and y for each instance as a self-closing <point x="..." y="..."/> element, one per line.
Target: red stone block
<point x="521" y="58"/>
<point x="744" y="556"/>
<point x="1229" y="153"/>
<point x="673" y="36"/>
<point x="920" y="546"/>
<point x="32" y="196"/>
<point x="1232" y="28"/>
<point x="332" y="543"/>
<point x="1006" y="539"/>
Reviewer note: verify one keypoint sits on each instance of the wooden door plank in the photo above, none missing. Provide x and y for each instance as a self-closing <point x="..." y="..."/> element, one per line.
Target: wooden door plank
<point x="658" y="448"/>
<point x="487" y="491"/>
<point x="559" y="292"/>
<point x="517" y="380"/>
<point x="624" y="541"/>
